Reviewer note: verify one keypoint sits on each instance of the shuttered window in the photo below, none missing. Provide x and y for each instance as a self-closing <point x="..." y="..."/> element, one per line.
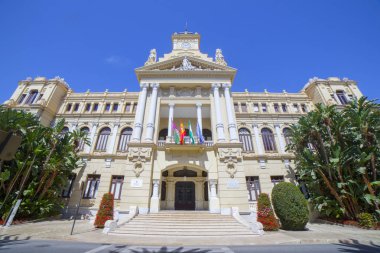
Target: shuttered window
<point x="125" y="137"/>
<point x="246" y="138"/>
<point x="101" y="145"/>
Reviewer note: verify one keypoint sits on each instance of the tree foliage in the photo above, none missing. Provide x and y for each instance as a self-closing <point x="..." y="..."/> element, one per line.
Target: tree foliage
<point x="290" y="206"/>
<point x="42" y="164"/>
<point x="337" y="155"/>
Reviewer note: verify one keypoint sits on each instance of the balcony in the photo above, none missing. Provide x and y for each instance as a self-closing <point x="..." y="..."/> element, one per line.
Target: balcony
<point x="169" y="144"/>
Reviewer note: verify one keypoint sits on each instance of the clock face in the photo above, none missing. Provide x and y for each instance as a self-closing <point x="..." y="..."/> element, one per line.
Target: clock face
<point x="185" y="45"/>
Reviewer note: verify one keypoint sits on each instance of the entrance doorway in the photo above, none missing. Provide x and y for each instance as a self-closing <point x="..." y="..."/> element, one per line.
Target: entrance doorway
<point x="184" y="196"/>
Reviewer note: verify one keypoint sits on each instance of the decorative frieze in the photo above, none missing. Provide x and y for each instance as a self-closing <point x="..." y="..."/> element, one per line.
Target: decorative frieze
<point x="139" y="156"/>
<point x="230" y="156"/>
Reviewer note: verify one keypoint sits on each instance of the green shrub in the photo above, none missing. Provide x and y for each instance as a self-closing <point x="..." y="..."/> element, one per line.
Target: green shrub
<point x="265" y="213"/>
<point x="366" y="220"/>
<point x="105" y="211"/>
<point x="290" y="206"/>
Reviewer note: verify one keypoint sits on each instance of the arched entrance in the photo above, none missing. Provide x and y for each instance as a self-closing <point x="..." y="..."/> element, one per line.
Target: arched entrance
<point x="184" y="188"/>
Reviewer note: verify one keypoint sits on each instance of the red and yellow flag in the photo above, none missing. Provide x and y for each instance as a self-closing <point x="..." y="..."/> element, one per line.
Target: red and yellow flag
<point x="182" y="133"/>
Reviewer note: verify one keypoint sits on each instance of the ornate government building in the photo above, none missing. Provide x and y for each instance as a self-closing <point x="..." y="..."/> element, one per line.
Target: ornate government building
<point x="133" y="153"/>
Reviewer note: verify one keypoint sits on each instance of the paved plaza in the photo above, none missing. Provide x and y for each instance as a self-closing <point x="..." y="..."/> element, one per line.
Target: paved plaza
<point x="85" y="232"/>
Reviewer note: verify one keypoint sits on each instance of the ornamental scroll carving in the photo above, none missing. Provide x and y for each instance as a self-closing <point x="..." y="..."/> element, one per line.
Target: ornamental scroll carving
<point x="139" y="156"/>
<point x="185" y="92"/>
<point x="230" y="156"/>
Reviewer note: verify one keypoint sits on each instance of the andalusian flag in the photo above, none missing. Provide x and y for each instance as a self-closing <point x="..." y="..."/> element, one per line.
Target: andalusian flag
<point x="191" y="133"/>
<point x="182" y="133"/>
<point x="175" y="133"/>
<point x="199" y="133"/>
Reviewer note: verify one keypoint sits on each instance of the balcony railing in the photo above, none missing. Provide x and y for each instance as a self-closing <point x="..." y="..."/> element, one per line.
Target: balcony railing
<point x="187" y="142"/>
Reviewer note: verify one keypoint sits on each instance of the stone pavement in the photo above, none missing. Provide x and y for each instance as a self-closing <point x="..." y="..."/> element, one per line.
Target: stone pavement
<point x="84" y="232"/>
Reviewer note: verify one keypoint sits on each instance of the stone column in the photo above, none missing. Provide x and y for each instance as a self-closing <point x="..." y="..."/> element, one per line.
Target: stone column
<point x="260" y="149"/>
<point x="170" y="120"/>
<point x="112" y="142"/>
<point x="139" y="118"/>
<point x="87" y="148"/>
<point x="199" y="117"/>
<point x="230" y="115"/>
<point x="214" y="204"/>
<point x="281" y="140"/>
<point x="155" y="199"/>
<point x="219" y="121"/>
<point x="152" y="113"/>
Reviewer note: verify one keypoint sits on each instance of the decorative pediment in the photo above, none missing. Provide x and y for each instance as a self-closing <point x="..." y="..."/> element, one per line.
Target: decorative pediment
<point x="185" y="63"/>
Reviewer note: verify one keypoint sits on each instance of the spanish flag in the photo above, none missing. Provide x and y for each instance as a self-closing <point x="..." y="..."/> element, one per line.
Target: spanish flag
<point x="182" y="133"/>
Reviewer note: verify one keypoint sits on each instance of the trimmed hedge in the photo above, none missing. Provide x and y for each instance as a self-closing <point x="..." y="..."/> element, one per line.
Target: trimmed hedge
<point x="290" y="206"/>
<point x="265" y="213"/>
<point x="105" y="211"/>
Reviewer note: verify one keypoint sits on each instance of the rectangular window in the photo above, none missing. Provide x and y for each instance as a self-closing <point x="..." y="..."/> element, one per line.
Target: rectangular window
<point x="108" y="107"/>
<point x="303" y="108"/>
<point x="128" y="107"/>
<point x="76" y="107"/>
<point x="295" y="108"/>
<point x="88" y="107"/>
<point x="276" y="108"/>
<point x="284" y="107"/>
<point x="92" y="186"/>
<point x="68" y="107"/>
<point x="114" y="107"/>
<point x="342" y="97"/>
<point x="276" y="179"/>
<point x="163" y="190"/>
<point x="134" y="108"/>
<point x="264" y="107"/>
<point x="22" y="98"/>
<point x="244" y="107"/>
<point x="253" y="187"/>
<point x="116" y="186"/>
<point x="236" y="107"/>
<point x="95" y="107"/>
<point x="66" y="192"/>
<point x="256" y="107"/>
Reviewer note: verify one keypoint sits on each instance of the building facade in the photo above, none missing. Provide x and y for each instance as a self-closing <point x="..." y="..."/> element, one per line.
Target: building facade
<point x="133" y="152"/>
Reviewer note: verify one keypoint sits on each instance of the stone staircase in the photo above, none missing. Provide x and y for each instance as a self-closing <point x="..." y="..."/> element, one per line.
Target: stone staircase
<point x="183" y="223"/>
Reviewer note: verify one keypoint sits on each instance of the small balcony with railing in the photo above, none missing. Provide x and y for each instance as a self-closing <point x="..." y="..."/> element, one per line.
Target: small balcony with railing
<point x="171" y="143"/>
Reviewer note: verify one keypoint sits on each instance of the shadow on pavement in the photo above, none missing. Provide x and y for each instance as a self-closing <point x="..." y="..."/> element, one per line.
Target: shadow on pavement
<point x="8" y="240"/>
<point x="355" y="246"/>
<point x="166" y="250"/>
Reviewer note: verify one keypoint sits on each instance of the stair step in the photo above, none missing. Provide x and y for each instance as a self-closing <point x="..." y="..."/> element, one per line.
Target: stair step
<point x="174" y="223"/>
<point x="182" y="233"/>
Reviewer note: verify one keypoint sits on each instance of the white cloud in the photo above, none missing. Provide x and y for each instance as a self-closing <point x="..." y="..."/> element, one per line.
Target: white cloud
<point x="113" y="59"/>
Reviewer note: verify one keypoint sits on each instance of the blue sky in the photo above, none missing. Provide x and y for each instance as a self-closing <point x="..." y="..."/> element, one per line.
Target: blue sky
<point x="275" y="45"/>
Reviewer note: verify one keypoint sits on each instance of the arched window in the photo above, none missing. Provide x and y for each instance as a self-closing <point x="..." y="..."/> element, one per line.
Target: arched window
<point x="84" y="130"/>
<point x="268" y="140"/>
<point x="207" y="134"/>
<point x="32" y="96"/>
<point x="101" y="145"/>
<point x="125" y="137"/>
<point x="246" y="138"/>
<point x="287" y="136"/>
<point x="162" y="134"/>
<point x="65" y="130"/>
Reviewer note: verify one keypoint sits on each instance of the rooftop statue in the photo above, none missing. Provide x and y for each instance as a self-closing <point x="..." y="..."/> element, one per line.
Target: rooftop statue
<point x="152" y="58"/>
<point x="219" y="58"/>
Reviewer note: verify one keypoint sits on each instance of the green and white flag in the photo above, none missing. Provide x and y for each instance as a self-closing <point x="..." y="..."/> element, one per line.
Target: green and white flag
<point x="191" y="134"/>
